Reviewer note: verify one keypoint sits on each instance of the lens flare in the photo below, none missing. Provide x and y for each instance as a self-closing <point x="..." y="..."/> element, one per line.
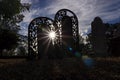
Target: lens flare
<point x="52" y="35"/>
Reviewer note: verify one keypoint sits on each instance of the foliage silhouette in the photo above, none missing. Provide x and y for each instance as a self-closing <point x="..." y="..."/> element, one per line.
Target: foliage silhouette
<point x="9" y="18"/>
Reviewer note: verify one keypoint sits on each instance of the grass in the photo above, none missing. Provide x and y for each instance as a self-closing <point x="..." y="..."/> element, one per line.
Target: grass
<point x="65" y="69"/>
<point x="106" y="69"/>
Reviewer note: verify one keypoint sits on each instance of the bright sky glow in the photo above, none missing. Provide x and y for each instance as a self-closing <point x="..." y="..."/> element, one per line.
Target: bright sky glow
<point x="85" y="10"/>
<point x="52" y="35"/>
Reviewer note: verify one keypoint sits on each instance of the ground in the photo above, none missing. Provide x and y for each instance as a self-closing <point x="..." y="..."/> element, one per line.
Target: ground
<point x="106" y="69"/>
<point x="65" y="69"/>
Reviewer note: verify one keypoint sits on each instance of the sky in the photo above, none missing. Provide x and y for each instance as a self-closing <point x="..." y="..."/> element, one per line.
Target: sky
<point x="85" y="10"/>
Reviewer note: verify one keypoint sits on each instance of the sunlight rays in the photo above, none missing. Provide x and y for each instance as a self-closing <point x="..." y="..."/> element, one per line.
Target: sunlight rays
<point x="47" y="37"/>
<point x="52" y="35"/>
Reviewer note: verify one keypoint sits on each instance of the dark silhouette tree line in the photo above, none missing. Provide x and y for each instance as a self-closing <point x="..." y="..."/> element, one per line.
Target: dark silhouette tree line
<point x="10" y="17"/>
<point x="111" y="35"/>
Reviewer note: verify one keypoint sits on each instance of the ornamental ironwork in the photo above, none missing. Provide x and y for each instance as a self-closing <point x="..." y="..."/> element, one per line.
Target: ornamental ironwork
<point x="60" y="15"/>
<point x="44" y="32"/>
<point x="36" y="27"/>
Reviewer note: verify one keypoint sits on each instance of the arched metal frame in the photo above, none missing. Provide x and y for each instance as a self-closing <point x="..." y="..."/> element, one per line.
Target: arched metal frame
<point x="53" y="25"/>
<point x="58" y="21"/>
<point x="33" y="33"/>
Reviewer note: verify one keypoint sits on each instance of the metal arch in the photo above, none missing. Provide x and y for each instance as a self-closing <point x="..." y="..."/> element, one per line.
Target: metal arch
<point x="33" y="34"/>
<point x="58" y="19"/>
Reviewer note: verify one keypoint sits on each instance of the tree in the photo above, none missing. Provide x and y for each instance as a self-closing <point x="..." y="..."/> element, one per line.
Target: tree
<point x="9" y="8"/>
<point x="87" y="47"/>
<point x="9" y="18"/>
<point x="22" y="48"/>
<point x="8" y="40"/>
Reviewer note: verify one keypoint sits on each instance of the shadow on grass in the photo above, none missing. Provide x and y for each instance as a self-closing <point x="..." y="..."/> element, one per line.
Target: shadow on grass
<point x="65" y="69"/>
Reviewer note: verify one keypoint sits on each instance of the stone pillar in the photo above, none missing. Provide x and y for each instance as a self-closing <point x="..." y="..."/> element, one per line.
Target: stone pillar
<point x="98" y="37"/>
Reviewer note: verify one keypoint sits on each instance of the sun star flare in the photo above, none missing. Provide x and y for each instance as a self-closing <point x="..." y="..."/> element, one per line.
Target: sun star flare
<point x="52" y="35"/>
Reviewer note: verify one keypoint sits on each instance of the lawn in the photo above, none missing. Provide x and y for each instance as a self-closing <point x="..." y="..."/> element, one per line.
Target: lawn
<point x="106" y="69"/>
<point x="65" y="69"/>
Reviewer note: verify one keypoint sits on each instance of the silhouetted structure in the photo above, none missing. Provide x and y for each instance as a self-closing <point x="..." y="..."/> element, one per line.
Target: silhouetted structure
<point x="105" y="38"/>
<point x="37" y="36"/>
<point x="66" y="28"/>
<point x="99" y="41"/>
<point x="67" y="24"/>
<point x="115" y="46"/>
<point x="113" y="34"/>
